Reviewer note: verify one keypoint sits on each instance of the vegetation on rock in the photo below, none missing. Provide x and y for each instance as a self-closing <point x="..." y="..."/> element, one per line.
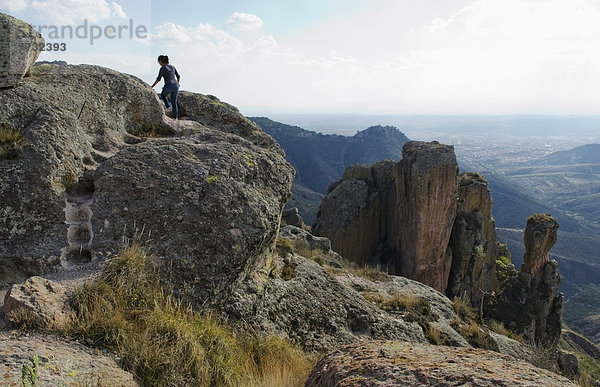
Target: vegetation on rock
<point x="164" y="342"/>
<point x="10" y="142"/>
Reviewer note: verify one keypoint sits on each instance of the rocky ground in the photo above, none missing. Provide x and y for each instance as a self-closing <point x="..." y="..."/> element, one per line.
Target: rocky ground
<point x="409" y="364"/>
<point x="61" y="363"/>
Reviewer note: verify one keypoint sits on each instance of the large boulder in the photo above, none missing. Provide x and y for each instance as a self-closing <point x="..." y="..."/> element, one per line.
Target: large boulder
<point x="68" y="120"/>
<point x="210" y="205"/>
<point x="39" y="303"/>
<point x="20" y="46"/>
<point x="409" y="364"/>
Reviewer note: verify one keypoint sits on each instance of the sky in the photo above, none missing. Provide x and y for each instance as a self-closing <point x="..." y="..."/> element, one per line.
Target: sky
<point x="348" y="56"/>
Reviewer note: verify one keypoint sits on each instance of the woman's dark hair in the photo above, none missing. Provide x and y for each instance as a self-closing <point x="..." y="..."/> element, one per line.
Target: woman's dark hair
<point x="163" y="58"/>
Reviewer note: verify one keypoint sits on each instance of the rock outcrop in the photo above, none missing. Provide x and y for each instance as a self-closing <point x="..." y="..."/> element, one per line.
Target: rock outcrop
<point x="418" y="219"/>
<point x="396" y="215"/>
<point x="211" y="203"/>
<point x="406" y="364"/>
<point x="39" y="303"/>
<point x="529" y="303"/>
<point x="540" y="236"/>
<point x="473" y="241"/>
<point x="59" y="362"/>
<point x="426" y="197"/>
<point x="65" y="131"/>
<point x="20" y="46"/>
<point x="297" y="298"/>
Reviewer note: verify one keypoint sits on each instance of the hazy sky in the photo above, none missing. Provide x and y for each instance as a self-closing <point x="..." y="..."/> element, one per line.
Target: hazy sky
<point x="365" y="56"/>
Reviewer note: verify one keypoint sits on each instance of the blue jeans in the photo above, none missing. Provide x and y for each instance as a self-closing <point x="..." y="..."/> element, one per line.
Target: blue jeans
<point x="172" y="90"/>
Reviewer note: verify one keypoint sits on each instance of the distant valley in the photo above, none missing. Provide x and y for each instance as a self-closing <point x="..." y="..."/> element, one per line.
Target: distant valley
<point x="564" y="183"/>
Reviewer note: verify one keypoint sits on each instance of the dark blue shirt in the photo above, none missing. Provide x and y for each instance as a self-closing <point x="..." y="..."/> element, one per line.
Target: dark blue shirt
<point x="169" y="73"/>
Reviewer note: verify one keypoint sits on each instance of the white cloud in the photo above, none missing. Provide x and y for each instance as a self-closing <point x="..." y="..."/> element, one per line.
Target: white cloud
<point x="74" y="11"/>
<point x="244" y="22"/>
<point x="13" y="5"/>
<point x="117" y="10"/>
<point x="482" y="56"/>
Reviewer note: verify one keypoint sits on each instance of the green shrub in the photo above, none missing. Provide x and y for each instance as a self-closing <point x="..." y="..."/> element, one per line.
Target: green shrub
<point x="29" y="373"/>
<point x="164" y="342"/>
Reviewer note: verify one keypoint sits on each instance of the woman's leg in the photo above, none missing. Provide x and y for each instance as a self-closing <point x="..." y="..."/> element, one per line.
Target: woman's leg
<point x="163" y="96"/>
<point x="174" y="97"/>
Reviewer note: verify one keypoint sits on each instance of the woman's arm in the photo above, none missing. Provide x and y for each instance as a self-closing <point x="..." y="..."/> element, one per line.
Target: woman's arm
<point x="158" y="78"/>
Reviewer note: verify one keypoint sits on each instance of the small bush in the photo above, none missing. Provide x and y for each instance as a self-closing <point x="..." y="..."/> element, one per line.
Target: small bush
<point x="23" y="319"/>
<point x="163" y="342"/>
<point x="10" y="143"/>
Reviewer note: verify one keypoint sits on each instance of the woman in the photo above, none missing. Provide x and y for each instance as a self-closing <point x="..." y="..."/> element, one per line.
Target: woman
<point x="171" y="87"/>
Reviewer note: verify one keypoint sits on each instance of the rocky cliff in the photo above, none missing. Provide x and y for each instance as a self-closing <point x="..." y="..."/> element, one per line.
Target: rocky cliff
<point x="416" y="218"/>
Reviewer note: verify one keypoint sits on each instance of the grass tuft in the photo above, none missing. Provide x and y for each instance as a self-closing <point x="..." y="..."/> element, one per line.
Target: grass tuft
<point x="164" y="342"/>
<point x="463" y="309"/>
<point x="10" y="143"/>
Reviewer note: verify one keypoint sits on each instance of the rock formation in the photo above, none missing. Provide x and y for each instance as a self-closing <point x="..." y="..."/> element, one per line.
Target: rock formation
<point x="20" y="46"/>
<point x="405" y="364"/>
<point x="529" y="302"/>
<point x="212" y="200"/>
<point x="216" y="114"/>
<point x="397" y="215"/>
<point x="44" y="304"/>
<point x="540" y="236"/>
<point x="416" y="218"/>
<point x="426" y="197"/>
<point x="296" y="298"/>
<point x="473" y="241"/>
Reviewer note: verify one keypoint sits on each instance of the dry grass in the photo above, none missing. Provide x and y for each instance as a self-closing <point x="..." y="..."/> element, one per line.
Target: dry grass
<point x="24" y="320"/>
<point x="433" y="335"/>
<point x="163" y="342"/>
<point x="499" y="328"/>
<point x="300" y="247"/>
<point x="463" y="309"/>
<point x="371" y="274"/>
